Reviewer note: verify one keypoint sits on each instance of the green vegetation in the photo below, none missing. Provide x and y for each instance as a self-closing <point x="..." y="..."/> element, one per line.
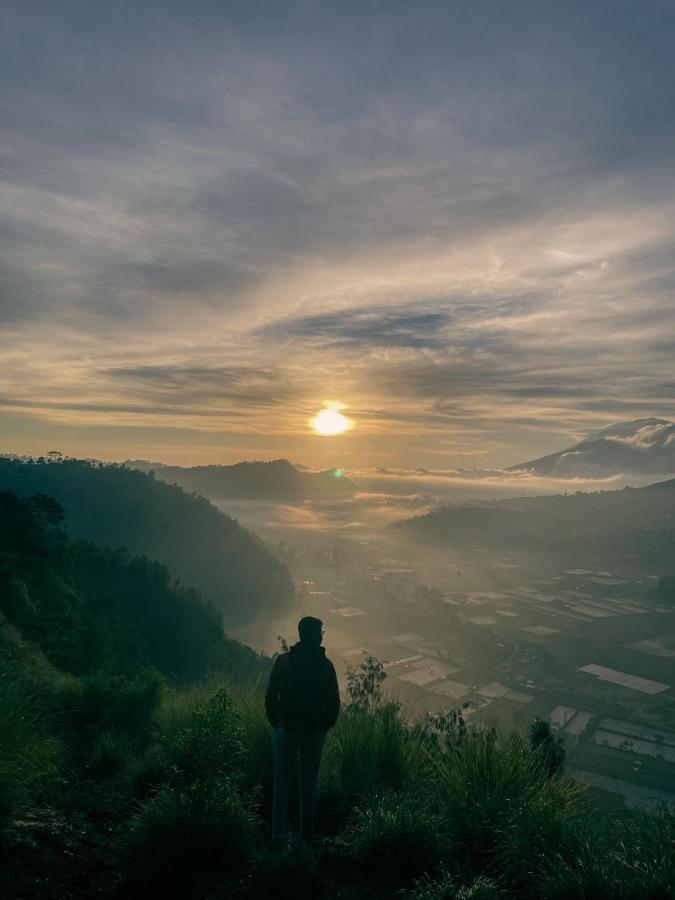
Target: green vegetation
<point x="136" y="761"/>
<point x="93" y="608"/>
<point x="204" y="548"/>
<point x="166" y="791"/>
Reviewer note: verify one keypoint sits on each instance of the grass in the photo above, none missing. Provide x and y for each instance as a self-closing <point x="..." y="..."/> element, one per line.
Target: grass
<point x="173" y="788"/>
<point x="31" y="754"/>
<point x="182" y="843"/>
<point x="394" y="838"/>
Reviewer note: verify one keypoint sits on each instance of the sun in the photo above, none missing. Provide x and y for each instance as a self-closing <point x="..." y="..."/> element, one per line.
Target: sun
<point x="330" y="421"/>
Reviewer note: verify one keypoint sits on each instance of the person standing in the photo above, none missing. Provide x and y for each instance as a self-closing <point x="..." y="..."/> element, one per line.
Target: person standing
<point x="302" y="702"/>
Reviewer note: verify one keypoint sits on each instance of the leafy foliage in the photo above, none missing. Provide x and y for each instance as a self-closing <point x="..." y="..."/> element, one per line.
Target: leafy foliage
<point x="364" y="685"/>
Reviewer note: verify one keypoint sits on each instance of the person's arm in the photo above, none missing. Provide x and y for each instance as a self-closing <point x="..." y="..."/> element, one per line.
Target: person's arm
<point x="331" y="697"/>
<point x="272" y="696"/>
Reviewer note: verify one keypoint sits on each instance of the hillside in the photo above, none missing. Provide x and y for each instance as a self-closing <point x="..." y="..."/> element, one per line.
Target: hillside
<point x="277" y="479"/>
<point x="205" y="548"/>
<point x="127" y="788"/>
<point x="628" y="522"/>
<point x="91" y="608"/>
<point x="640" y="447"/>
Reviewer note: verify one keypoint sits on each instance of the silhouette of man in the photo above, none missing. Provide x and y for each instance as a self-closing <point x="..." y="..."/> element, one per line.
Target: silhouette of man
<point x="302" y="702"/>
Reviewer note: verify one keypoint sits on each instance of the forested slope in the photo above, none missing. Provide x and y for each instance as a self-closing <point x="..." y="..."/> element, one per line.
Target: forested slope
<point x="608" y="523"/>
<point x="205" y="548"/>
<point x="91" y="608"/>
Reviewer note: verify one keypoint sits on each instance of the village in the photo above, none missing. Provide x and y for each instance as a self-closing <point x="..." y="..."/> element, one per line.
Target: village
<point x="585" y="648"/>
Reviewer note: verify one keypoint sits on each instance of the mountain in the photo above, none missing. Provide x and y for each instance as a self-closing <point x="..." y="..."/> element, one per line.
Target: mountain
<point x="277" y="479"/>
<point x="118" y="506"/>
<point x="640" y="447"/>
<point x="628" y="524"/>
<point x="91" y="608"/>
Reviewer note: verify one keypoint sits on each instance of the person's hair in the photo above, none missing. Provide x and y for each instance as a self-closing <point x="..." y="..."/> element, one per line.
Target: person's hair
<point x="308" y="626"/>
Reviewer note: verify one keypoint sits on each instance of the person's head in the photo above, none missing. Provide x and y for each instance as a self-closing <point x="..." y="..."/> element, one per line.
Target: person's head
<point x="310" y="630"/>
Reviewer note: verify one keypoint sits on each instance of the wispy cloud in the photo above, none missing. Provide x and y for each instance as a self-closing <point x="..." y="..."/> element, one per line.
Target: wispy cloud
<point x="457" y="220"/>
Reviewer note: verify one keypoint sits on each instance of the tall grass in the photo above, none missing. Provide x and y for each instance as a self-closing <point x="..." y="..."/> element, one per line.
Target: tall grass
<point x="370" y="751"/>
<point x="489" y="787"/>
<point x="626" y="858"/>
<point x="30" y="753"/>
<point x="182" y="779"/>
<point x="182" y="843"/>
<point x="394" y="837"/>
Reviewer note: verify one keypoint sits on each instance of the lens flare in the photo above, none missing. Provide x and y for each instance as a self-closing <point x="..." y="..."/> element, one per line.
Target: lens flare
<point x="330" y="421"/>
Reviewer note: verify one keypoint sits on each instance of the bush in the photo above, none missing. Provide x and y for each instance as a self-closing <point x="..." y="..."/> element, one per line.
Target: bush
<point x="209" y="746"/>
<point x="394" y="838"/>
<point x="182" y="843"/>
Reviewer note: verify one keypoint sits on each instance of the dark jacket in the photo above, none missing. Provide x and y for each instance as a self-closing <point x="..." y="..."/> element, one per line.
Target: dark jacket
<point x="302" y="693"/>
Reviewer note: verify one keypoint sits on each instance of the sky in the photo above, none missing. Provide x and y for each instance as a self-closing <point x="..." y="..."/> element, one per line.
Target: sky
<point x="457" y="219"/>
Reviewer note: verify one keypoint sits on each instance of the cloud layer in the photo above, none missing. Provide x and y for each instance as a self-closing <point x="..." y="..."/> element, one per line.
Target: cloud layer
<point x="457" y="219"/>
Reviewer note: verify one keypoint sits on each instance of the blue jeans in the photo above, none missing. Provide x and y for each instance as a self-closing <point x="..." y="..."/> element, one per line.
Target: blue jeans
<point x="288" y="746"/>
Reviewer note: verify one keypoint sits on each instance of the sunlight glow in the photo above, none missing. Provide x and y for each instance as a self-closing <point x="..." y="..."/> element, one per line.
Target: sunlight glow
<point x="330" y="421"/>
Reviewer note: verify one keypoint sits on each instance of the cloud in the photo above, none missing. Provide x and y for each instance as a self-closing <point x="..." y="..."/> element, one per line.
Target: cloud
<point x="366" y="327"/>
<point x="458" y="221"/>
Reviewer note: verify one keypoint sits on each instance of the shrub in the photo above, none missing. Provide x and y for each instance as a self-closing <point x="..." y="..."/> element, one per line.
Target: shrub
<point x="209" y="746"/>
<point x="182" y="843"/>
<point x="364" y="685"/>
<point x="394" y="838"/>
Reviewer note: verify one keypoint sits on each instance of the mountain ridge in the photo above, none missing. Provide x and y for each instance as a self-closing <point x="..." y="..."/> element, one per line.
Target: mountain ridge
<point x="254" y="479"/>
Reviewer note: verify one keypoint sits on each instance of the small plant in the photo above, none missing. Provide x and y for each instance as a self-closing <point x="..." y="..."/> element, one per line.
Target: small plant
<point x="210" y="745"/>
<point x="446" y="728"/>
<point x="364" y="685"/>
